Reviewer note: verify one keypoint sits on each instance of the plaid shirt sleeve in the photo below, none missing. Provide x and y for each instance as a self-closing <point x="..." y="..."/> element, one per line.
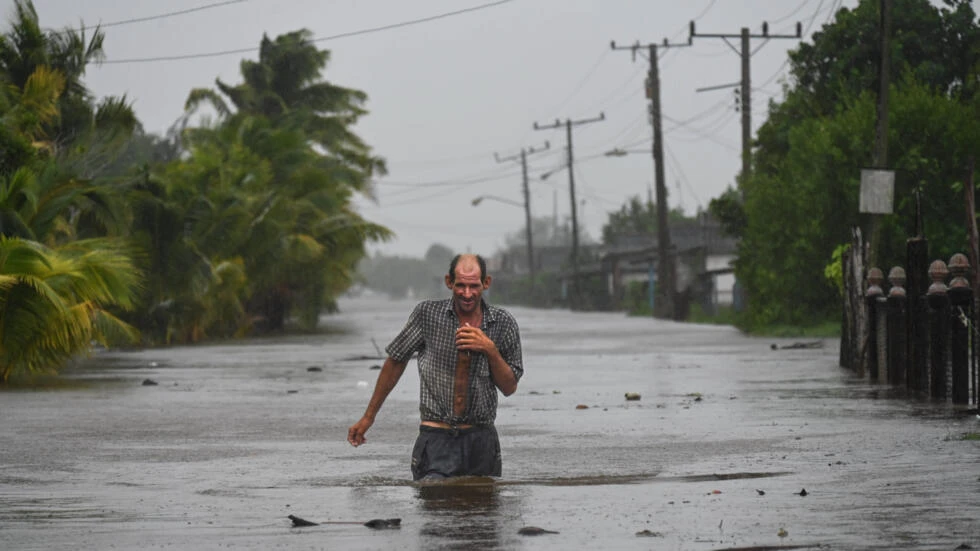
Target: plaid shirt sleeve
<point x="510" y="345"/>
<point x="410" y="340"/>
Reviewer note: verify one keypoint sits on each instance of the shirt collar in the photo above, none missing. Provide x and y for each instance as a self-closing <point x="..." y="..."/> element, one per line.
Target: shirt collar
<point x="489" y="312"/>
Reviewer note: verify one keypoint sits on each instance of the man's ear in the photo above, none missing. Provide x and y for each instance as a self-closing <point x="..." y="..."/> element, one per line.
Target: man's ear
<point x="449" y="283"/>
<point x="486" y="283"/>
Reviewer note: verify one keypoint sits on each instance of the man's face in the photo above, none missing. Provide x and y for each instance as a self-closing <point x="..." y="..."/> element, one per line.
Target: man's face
<point x="467" y="288"/>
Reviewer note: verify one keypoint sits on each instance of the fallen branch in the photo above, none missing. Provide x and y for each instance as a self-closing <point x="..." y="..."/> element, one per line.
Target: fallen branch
<point x="376" y="523"/>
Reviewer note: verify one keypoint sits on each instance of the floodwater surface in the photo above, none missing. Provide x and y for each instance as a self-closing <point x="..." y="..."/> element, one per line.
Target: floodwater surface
<point x="716" y="453"/>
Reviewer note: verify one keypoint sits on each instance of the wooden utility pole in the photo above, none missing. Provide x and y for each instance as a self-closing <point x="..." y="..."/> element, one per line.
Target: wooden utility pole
<point x="527" y="201"/>
<point x="663" y="304"/>
<point x="880" y="154"/>
<point x="746" y="84"/>
<point x="568" y="124"/>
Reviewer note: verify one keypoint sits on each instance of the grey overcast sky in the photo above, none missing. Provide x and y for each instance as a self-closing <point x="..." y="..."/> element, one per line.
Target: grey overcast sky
<point x="446" y="94"/>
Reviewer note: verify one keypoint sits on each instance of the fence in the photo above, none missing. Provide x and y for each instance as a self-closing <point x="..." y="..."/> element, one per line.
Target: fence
<point x="921" y="337"/>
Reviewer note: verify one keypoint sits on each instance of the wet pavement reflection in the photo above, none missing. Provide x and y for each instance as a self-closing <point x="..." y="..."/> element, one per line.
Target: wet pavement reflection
<point x="713" y="449"/>
<point x="463" y="514"/>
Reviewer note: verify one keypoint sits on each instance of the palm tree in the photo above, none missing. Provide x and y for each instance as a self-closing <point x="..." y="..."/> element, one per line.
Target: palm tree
<point x="25" y="111"/>
<point x="89" y="134"/>
<point x="274" y="179"/>
<point x="258" y="192"/>
<point x="53" y="302"/>
<point x="285" y="85"/>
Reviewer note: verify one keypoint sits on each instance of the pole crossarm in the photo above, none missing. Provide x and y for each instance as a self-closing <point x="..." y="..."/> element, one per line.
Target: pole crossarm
<point x="665" y="286"/>
<point x="559" y="124"/>
<point x="526" y="150"/>
<point x="765" y="33"/>
<point x="745" y="93"/>
<point x="522" y="158"/>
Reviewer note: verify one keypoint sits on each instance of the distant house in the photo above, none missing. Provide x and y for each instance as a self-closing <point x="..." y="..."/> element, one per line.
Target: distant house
<point x="703" y="267"/>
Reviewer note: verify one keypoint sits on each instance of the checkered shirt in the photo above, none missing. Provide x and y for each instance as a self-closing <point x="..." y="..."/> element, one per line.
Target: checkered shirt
<point x="431" y="331"/>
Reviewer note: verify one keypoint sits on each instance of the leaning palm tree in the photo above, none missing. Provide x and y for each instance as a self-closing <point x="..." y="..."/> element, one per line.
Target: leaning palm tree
<point x="286" y="85"/>
<point x="25" y="112"/>
<point x="86" y="132"/>
<point x="55" y="302"/>
<point x="279" y="170"/>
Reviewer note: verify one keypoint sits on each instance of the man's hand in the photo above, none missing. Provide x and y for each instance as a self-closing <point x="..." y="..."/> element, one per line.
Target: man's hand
<point x="355" y="434"/>
<point x="472" y="338"/>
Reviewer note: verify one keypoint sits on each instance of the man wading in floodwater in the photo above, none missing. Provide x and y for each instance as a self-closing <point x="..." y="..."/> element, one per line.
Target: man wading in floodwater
<point x="467" y="349"/>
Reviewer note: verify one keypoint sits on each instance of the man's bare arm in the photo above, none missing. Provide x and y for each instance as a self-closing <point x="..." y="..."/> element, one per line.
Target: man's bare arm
<point x="391" y="372"/>
<point x="472" y="338"/>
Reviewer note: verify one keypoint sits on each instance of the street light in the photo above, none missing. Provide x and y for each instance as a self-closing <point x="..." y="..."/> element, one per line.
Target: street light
<point x="476" y="201"/>
<point x="665" y="265"/>
<point x="527" y="213"/>
<point x="548" y="174"/>
<point x="617" y="152"/>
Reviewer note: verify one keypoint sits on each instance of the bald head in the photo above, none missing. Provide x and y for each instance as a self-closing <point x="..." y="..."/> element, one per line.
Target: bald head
<point x="467" y="265"/>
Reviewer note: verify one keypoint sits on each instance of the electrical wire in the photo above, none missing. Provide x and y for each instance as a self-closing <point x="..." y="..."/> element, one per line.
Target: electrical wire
<point x="584" y="80"/>
<point x="316" y="39"/>
<point x="833" y="11"/>
<point x="704" y="113"/>
<point x="469" y="180"/>
<point x="164" y="15"/>
<point x="710" y="137"/>
<point x="792" y="13"/>
<point x="698" y="129"/>
<point x="677" y="167"/>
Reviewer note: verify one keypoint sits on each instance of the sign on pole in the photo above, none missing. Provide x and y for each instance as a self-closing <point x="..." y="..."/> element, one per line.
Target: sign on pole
<point x="877" y="191"/>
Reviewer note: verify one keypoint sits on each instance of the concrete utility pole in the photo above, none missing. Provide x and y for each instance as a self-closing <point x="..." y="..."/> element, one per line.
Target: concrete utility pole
<point x="527" y="200"/>
<point x="663" y="304"/>
<point x="569" y="123"/>
<point x="746" y="83"/>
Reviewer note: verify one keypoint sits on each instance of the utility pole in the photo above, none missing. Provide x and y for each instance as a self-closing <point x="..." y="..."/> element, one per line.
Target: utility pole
<point x="527" y="201"/>
<point x="880" y="154"/>
<point x="746" y="84"/>
<point x="665" y="287"/>
<point x="569" y="123"/>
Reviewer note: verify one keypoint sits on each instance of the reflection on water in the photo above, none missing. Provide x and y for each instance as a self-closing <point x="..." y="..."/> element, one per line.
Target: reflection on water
<point x="461" y="513"/>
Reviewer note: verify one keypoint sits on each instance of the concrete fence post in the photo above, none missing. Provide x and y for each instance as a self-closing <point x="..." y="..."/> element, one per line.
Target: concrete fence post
<point x="961" y="324"/>
<point x="871" y="296"/>
<point x="938" y="330"/>
<point x="897" y="334"/>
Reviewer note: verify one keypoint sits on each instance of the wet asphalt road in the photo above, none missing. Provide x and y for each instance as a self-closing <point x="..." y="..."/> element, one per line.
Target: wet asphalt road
<point x="714" y="455"/>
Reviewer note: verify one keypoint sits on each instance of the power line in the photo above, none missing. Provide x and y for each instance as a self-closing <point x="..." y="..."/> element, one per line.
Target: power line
<point x="154" y="17"/>
<point x="792" y="13"/>
<point x="833" y="11"/>
<point x="709" y="127"/>
<point x="677" y="166"/>
<point x="702" y="135"/>
<point x="318" y="39"/>
<point x="584" y="80"/>
<point x="496" y="175"/>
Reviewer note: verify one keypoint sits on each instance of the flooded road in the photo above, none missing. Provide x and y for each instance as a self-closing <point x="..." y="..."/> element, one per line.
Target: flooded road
<point x="714" y="454"/>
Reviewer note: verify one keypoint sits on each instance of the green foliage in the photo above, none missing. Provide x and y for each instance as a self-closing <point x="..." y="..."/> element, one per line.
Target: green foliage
<point x="802" y="198"/>
<point x="834" y="272"/>
<point x="86" y="133"/>
<point x="637" y="299"/>
<point x="634" y="217"/>
<point x="254" y="224"/>
<point x="725" y="315"/>
<point x="238" y="225"/>
<point x="728" y="209"/>
<point x="54" y="302"/>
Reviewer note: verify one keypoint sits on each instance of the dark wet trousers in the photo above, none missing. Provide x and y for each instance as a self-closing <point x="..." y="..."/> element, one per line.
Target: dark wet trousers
<point x="442" y="453"/>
